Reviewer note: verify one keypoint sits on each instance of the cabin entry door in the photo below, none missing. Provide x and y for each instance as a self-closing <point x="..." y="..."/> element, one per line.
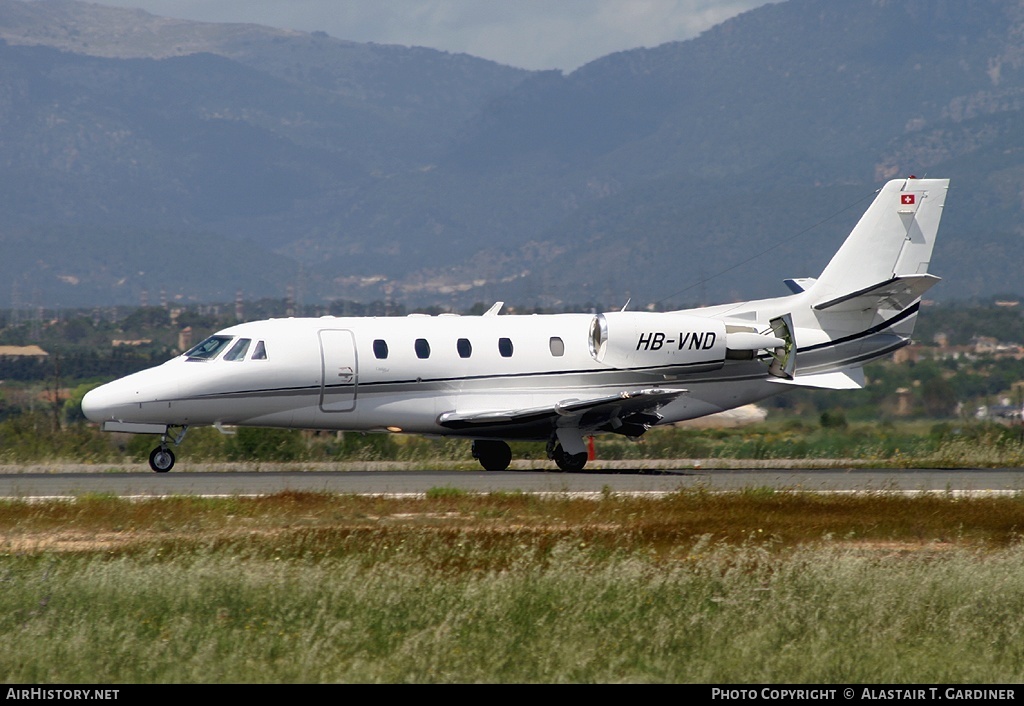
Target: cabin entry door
<point x="339" y="373"/>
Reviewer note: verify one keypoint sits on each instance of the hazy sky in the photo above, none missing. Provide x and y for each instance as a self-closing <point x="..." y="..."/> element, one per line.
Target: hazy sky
<point x="532" y="34"/>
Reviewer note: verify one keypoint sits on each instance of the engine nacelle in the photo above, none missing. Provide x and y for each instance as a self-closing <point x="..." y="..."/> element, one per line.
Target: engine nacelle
<point x="636" y="339"/>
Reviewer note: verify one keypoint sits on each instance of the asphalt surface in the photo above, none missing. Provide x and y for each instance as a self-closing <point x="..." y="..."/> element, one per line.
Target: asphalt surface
<point x="244" y="481"/>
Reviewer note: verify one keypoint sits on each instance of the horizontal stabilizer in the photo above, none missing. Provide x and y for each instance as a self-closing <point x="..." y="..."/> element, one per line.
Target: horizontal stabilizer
<point x="849" y="379"/>
<point x="801" y="284"/>
<point x="598" y="410"/>
<point x="897" y="293"/>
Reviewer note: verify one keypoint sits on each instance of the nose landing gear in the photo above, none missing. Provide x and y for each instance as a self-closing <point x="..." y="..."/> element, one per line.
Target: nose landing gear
<point x="161" y="459"/>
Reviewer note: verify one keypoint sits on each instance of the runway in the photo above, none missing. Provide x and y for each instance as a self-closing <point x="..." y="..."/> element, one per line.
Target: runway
<point x="403" y="482"/>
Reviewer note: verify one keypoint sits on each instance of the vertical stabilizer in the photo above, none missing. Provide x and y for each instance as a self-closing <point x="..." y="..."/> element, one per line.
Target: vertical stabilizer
<point x="893" y="238"/>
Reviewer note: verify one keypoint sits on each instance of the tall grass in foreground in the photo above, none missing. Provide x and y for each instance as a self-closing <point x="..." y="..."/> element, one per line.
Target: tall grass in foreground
<point x="418" y="611"/>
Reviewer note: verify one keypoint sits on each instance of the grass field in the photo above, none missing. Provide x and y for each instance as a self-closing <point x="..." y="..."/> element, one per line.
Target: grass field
<point x="744" y="587"/>
<point x="33" y="439"/>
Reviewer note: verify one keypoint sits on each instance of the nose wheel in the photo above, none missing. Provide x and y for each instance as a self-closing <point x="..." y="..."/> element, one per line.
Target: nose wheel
<point x="161" y="459"/>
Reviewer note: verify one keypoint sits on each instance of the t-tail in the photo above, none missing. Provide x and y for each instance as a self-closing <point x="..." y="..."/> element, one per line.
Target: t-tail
<point x="865" y="303"/>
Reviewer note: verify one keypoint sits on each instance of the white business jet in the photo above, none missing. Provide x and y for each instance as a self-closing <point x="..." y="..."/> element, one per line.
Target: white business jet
<point x="551" y="378"/>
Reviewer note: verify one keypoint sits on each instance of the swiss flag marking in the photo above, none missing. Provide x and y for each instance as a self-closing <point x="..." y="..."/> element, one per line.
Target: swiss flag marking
<point x="907" y="199"/>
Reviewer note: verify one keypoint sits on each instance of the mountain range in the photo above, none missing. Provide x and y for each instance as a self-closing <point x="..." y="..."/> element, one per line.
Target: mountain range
<point x="144" y="157"/>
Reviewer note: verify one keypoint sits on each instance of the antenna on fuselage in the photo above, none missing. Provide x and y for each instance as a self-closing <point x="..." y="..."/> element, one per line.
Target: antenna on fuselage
<point x="493" y="311"/>
<point x="626" y="304"/>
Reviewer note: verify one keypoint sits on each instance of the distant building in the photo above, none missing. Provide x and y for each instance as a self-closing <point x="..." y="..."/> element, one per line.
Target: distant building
<point x="904" y="401"/>
<point x="22" y="353"/>
<point x="979" y="346"/>
<point x="907" y="354"/>
<point x="987" y="345"/>
<point x="185" y="339"/>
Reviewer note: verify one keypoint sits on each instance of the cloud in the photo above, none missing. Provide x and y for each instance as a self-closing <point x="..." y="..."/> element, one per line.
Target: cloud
<point x="533" y="34"/>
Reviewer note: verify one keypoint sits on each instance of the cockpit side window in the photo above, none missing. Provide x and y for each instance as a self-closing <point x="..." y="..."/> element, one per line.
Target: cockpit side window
<point x="261" y="351"/>
<point x="208" y="349"/>
<point x="238" y="350"/>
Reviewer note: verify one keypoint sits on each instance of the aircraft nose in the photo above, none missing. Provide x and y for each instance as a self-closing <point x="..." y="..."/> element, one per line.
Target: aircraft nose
<point x="134" y="398"/>
<point x="97" y="403"/>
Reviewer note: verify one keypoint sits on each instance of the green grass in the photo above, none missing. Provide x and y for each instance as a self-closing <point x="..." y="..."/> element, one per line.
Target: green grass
<point x="719" y="614"/>
<point x="31" y="438"/>
<point x="755" y="586"/>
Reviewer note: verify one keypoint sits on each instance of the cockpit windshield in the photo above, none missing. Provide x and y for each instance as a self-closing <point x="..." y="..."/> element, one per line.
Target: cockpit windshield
<point x="238" y="350"/>
<point x="208" y="349"/>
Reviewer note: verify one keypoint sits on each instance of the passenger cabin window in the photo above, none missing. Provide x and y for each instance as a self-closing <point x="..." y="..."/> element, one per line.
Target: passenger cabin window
<point x="261" y="351"/>
<point x="557" y="346"/>
<point x="380" y="349"/>
<point x="238" y="350"/>
<point x="422" y="348"/>
<point x="505" y="347"/>
<point x="208" y="349"/>
<point x="464" y="347"/>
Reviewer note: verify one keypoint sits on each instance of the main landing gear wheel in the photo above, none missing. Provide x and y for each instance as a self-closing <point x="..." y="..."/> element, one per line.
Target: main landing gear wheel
<point x="492" y="455"/>
<point x="161" y="459"/>
<point x="570" y="463"/>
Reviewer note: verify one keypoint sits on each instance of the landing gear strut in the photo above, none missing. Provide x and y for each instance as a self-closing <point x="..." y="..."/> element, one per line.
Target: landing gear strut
<point x="570" y="463"/>
<point x="161" y="459"/>
<point x="492" y="455"/>
<point x="566" y="449"/>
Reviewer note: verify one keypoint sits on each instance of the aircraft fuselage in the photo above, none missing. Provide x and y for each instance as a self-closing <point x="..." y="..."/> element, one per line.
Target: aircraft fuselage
<point x="403" y="374"/>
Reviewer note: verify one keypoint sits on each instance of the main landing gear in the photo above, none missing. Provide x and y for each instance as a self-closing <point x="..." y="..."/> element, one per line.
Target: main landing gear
<point x="492" y="455"/>
<point x="570" y="463"/>
<point x="496" y="456"/>
<point x="566" y="449"/>
<point x="161" y="459"/>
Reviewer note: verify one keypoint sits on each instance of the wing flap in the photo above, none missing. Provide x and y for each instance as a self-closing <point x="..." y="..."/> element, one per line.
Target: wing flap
<point x="595" y="412"/>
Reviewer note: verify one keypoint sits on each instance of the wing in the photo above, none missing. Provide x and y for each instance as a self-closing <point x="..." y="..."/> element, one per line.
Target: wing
<point x="629" y="412"/>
